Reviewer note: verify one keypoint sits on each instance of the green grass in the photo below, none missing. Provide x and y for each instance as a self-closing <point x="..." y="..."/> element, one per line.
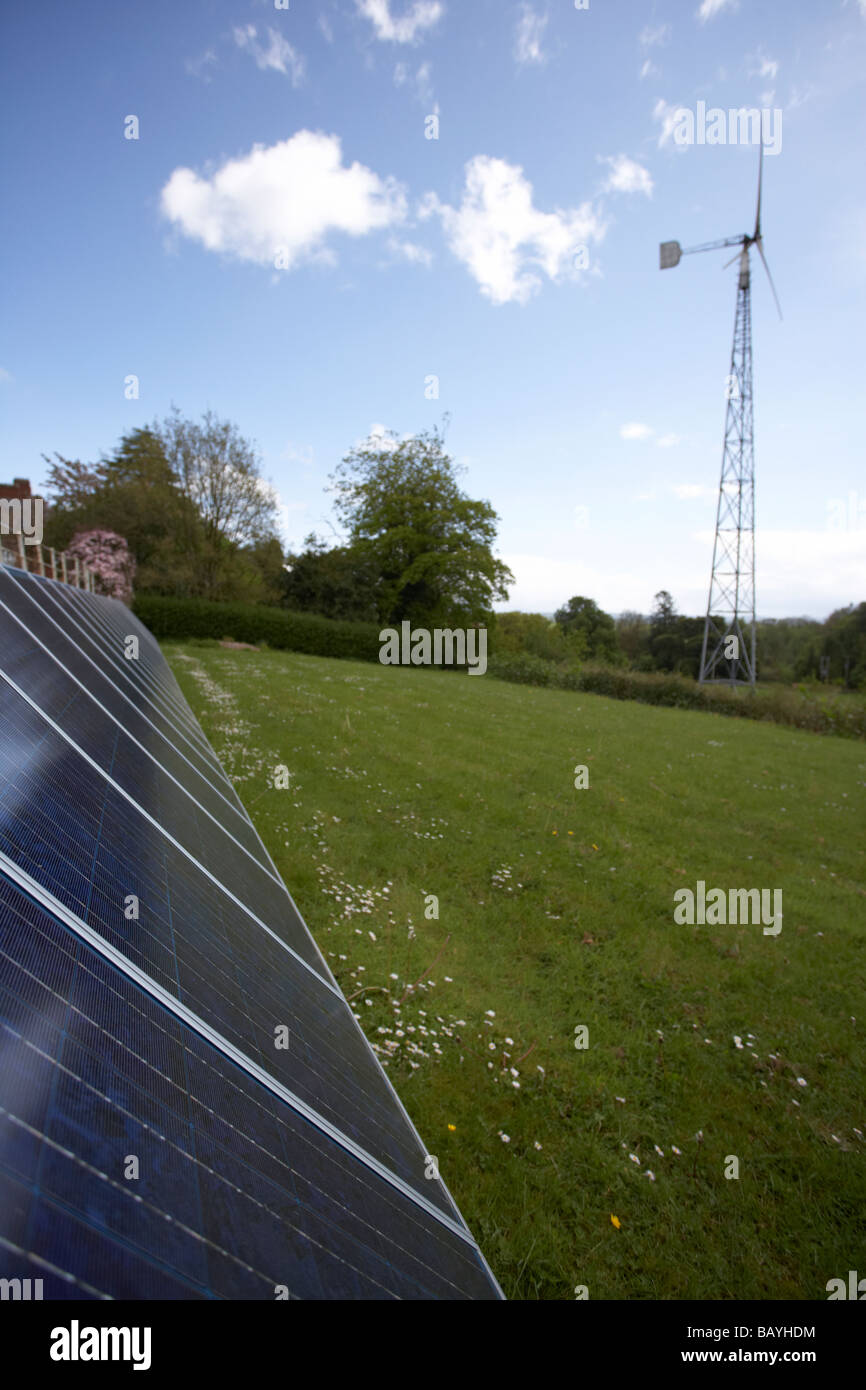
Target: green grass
<point x="556" y="905"/>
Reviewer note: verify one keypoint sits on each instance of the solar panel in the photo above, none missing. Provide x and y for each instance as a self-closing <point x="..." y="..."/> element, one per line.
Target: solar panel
<point x="260" y="1172"/>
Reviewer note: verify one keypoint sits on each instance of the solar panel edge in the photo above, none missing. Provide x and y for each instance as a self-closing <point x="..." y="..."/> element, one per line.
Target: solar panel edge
<point x="132" y="972"/>
<point x="4" y="607"/>
<point x="121" y="791"/>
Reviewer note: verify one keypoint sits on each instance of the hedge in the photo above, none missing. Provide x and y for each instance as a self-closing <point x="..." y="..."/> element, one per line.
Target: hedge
<point x="182" y="618"/>
<point x="840" y="714"/>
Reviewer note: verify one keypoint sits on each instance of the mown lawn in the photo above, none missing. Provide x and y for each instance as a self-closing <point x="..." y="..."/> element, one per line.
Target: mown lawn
<point x="556" y="910"/>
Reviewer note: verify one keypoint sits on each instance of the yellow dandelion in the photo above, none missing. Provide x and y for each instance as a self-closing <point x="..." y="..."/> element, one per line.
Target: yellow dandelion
<point x="614" y="1221"/>
<point x="452" y="1127"/>
<point x="595" y="846"/>
<point x="571" y="832"/>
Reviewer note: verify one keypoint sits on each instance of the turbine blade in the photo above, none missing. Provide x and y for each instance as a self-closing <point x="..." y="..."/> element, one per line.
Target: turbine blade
<point x="731" y="261"/>
<point x="769" y="276"/>
<point x="757" y="236"/>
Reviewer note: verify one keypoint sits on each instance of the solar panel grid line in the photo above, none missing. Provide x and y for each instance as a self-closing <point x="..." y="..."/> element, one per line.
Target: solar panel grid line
<point x="233" y="804"/>
<point x="222" y="1045"/>
<point x="53" y="1269"/>
<point x="114" y="635"/>
<point x="92" y="788"/>
<point x="271" y="871"/>
<point x="179" y="716"/>
<point x="407" y="1222"/>
<point x="157" y="826"/>
<point x="321" y="1031"/>
<point x="112" y="622"/>
<point x="217" y="1006"/>
<point x="44" y="601"/>
<point x="51" y="594"/>
<point x="112" y="644"/>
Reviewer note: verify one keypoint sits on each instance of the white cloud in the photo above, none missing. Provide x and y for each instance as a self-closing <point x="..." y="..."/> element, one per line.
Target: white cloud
<point x="710" y="8"/>
<point x="382" y="439"/>
<point x="529" y="34"/>
<point x="635" y="430"/>
<point x="299" y="453"/>
<point x="279" y="54"/>
<point x="282" y="199"/>
<point x="410" y="251"/>
<point x="503" y="239"/>
<point x="649" y="70"/>
<point x="668" y="441"/>
<point x="626" y="176"/>
<point x="326" y="28"/>
<point x="200" y="67"/>
<point x="422" y="15"/>
<point x="650" y="36"/>
<point x="423" y="87"/>
<point x="763" y="67"/>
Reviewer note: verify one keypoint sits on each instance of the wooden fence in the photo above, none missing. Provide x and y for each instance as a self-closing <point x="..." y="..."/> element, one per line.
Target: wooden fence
<point x="45" y="560"/>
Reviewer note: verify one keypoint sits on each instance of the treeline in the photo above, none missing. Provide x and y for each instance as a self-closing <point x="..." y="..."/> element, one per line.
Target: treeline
<point x="200" y="522"/>
<point x="788" y="649"/>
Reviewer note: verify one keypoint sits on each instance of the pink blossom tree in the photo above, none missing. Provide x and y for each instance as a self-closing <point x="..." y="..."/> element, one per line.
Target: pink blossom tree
<point x="108" y="555"/>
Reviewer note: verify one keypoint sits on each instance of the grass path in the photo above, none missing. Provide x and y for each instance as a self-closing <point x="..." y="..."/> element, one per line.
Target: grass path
<point x="555" y="909"/>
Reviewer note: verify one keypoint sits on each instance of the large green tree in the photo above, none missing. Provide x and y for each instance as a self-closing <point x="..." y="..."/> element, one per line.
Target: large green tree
<point x="336" y="581"/>
<point x="583" y="617"/>
<point x="430" y="544"/>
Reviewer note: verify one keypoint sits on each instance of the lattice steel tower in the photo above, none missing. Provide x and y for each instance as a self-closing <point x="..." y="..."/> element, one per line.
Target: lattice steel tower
<point x="728" y="652"/>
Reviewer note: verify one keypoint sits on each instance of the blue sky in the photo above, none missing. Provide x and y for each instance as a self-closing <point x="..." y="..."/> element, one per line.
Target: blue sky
<point x="284" y="244"/>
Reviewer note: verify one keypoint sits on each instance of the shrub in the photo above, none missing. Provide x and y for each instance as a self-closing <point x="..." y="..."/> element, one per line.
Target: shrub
<point x="182" y="618"/>
<point x="842" y="714"/>
<point x="108" y="555"/>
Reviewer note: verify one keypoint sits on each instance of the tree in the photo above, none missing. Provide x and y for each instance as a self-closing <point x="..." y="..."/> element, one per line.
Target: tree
<point x="583" y="616"/>
<point x="338" y="582"/>
<point x="632" y="635"/>
<point x="71" y="482"/>
<point x="845" y="644"/>
<point x="533" y="633"/>
<point x="108" y="555"/>
<point x="133" y="493"/>
<point x="429" y="544"/>
<point x="666" y="647"/>
<point x="218" y="472"/>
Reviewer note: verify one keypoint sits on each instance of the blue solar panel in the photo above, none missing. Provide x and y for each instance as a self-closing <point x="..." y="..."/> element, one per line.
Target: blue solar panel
<point x="260" y="1167"/>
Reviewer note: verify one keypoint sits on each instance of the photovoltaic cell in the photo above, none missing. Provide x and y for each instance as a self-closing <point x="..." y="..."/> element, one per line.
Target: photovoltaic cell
<point x="261" y="1168"/>
<point x="236" y="1196"/>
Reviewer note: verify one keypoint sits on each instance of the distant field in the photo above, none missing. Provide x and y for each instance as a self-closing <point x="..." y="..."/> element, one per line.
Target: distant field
<point x="557" y="908"/>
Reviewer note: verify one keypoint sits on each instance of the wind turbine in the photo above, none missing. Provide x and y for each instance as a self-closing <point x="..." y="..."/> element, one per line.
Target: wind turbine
<point x="726" y="656"/>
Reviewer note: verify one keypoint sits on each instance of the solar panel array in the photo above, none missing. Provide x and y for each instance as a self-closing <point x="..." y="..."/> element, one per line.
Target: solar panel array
<point x="155" y="1142"/>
